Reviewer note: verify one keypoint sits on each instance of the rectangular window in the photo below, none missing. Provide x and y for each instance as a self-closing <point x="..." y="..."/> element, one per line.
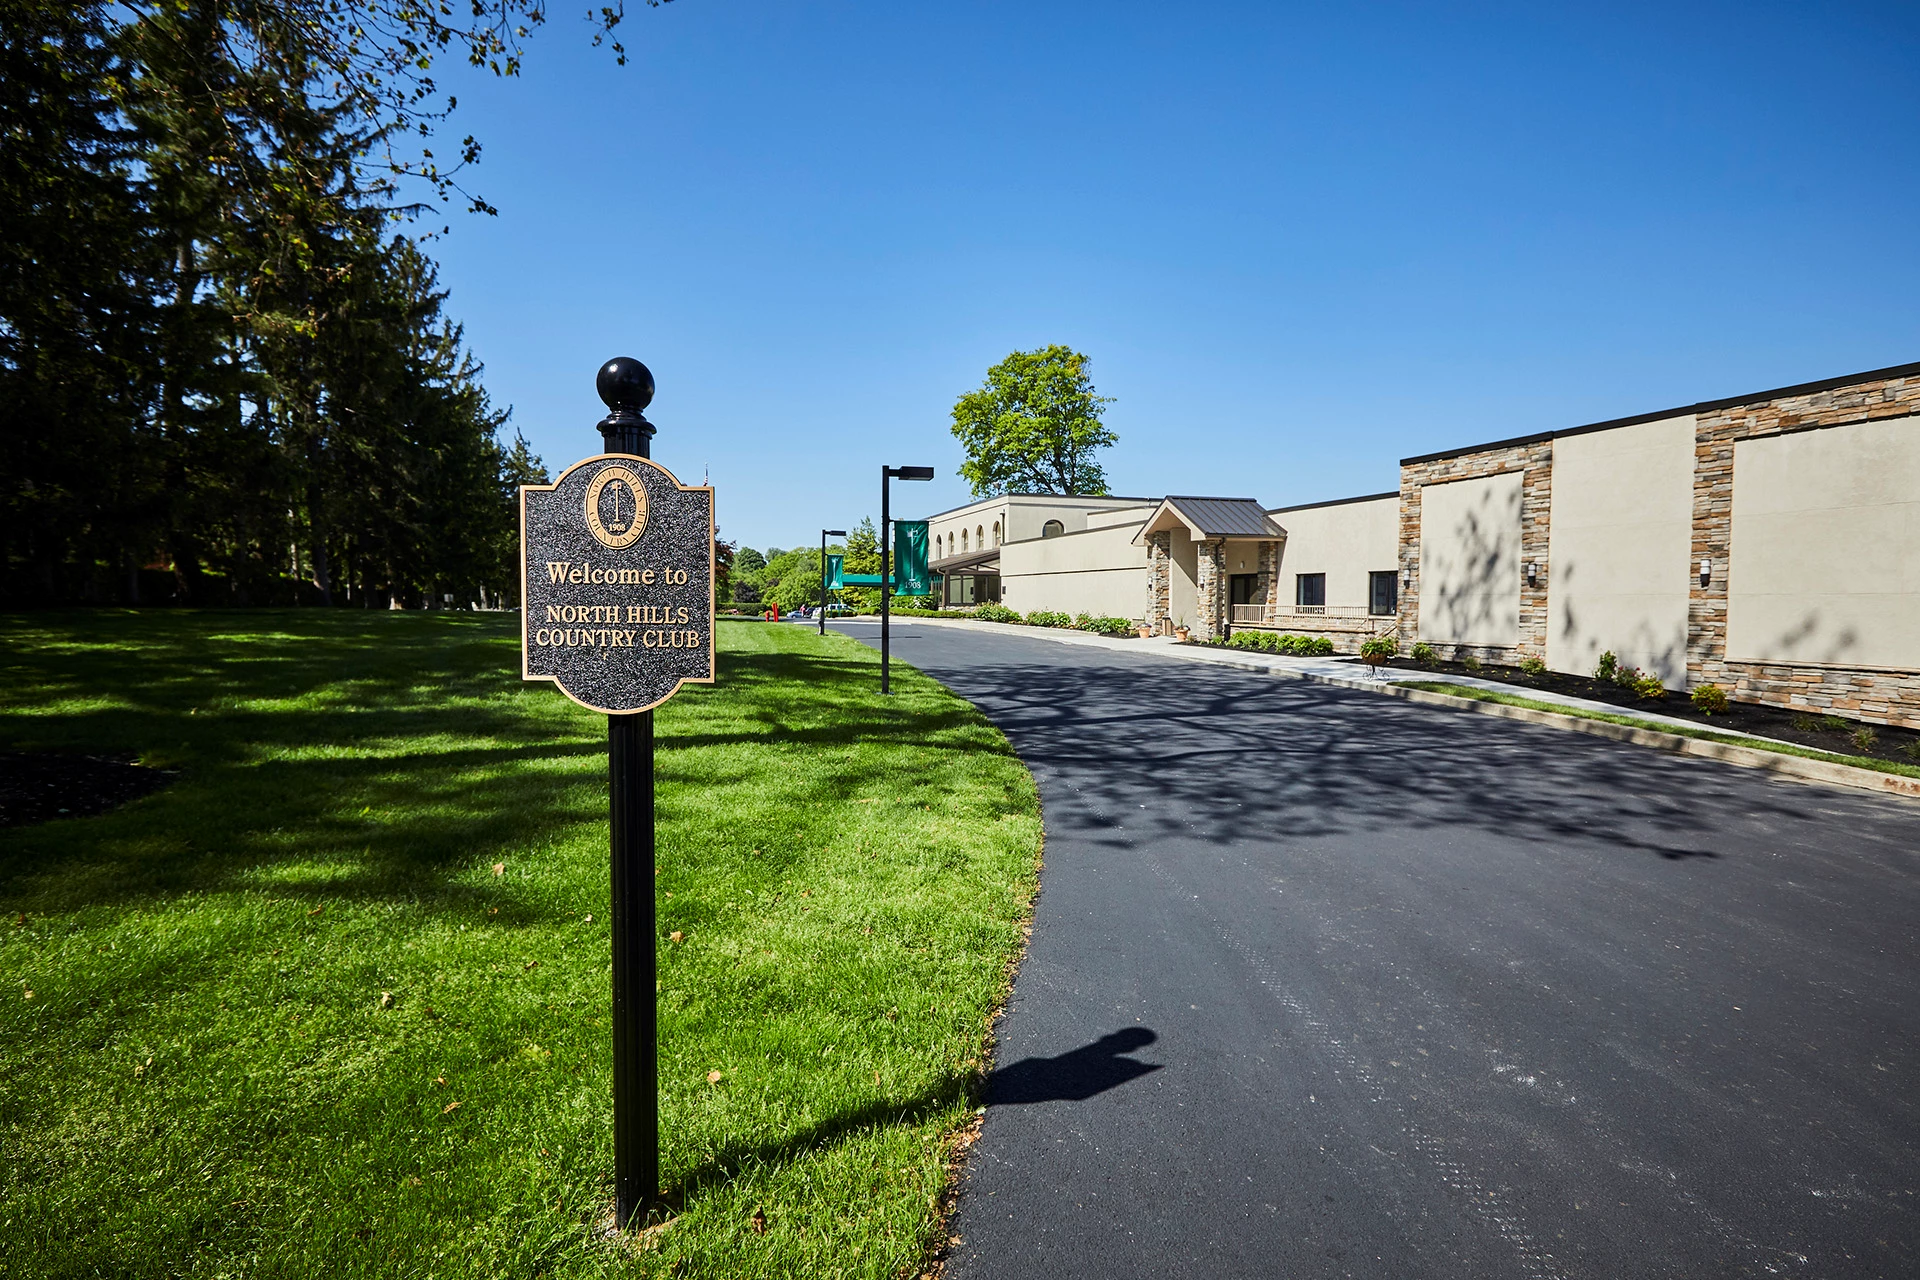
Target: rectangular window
<point x="1310" y="592"/>
<point x="1241" y="586"/>
<point x="1383" y="593"/>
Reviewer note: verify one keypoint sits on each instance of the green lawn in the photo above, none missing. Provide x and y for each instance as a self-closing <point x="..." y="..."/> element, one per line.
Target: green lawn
<point x="287" y="1020"/>
<point x="1475" y="694"/>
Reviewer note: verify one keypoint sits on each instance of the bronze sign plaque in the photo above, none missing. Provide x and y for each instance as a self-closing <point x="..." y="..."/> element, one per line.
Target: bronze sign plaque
<point x="616" y="579"/>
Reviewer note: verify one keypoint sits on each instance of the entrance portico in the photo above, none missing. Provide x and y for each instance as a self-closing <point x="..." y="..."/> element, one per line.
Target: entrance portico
<point x="1210" y="562"/>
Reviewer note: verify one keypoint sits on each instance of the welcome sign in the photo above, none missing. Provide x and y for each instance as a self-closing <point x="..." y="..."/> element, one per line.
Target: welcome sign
<point x="616" y="581"/>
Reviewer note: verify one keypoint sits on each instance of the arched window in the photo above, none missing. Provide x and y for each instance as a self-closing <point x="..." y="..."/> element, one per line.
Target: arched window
<point x="963" y="541"/>
<point x="936" y="546"/>
<point x="996" y="533"/>
<point x="980" y="537"/>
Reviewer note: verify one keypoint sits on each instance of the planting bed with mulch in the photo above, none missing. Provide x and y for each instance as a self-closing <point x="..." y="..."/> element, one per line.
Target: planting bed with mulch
<point x="1818" y="730"/>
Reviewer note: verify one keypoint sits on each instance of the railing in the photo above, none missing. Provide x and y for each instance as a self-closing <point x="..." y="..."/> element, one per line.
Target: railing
<point x="1249" y="614"/>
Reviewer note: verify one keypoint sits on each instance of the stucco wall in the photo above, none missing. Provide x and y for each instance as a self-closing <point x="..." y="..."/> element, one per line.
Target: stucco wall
<point x="1825" y="556"/>
<point x="1099" y="572"/>
<point x="1617" y="563"/>
<point x="1346" y="541"/>
<point x="1470" y="561"/>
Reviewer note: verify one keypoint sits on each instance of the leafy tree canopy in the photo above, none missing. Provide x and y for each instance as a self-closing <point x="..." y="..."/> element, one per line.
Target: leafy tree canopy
<point x="1034" y="426"/>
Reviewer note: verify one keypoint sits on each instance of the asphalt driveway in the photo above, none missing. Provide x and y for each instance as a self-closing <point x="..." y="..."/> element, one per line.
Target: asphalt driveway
<point x="1328" y="984"/>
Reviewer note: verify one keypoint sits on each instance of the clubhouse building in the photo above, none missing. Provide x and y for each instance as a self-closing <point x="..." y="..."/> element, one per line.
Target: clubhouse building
<point x="1767" y="543"/>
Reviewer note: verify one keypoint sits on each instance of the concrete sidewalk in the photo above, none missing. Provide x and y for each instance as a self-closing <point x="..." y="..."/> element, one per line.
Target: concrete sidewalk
<point x="1333" y="670"/>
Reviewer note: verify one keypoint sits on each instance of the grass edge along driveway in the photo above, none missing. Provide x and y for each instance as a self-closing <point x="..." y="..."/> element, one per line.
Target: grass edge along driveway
<point x="335" y="1002"/>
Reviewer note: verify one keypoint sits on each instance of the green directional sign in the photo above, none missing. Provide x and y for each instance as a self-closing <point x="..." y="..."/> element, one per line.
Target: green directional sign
<point x="910" y="558"/>
<point x="835" y="567"/>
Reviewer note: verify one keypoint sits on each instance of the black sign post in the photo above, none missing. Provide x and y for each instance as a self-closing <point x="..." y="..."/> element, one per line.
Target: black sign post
<point x="824" y="535"/>
<point x="616" y="565"/>
<point x="886" y="563"/>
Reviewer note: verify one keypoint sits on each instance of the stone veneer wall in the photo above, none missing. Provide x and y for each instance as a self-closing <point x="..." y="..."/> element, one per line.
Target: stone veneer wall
<point x="1210" y="592"/>
<point x="1882" y="696"/>
<point x="1877" y="695"/>
<point x="1159" y="584"/>
<point x="1535" y="460"/>
<point x="1269" y="583"/>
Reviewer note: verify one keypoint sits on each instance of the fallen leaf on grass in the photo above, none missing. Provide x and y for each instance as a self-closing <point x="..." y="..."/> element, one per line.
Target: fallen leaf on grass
<point x="868" y="800"/>
<point x="499" y="868"/>
<point x="413" y="1180"/>
<point x="759" y="1221"/>
<point x="493" y="911"/>
<point x="589" y="919"/>
<point x="28" y="993"/>
<point x="876" y="1079"/>
<point x="531" y="964"/>
<point x="439" y="1079"/>
<point x="675" y="936"/>
<point x="714" y="1077"/>
<point x="449" y="1108"/>
<point x="23" y="918"/>
<point x="386" y="999"/>
<point x="317" y="910"/>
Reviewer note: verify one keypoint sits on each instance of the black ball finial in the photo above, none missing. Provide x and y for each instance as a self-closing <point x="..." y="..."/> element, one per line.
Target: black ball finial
<point x="625" y="384"/>
<point x="627" y="387"/>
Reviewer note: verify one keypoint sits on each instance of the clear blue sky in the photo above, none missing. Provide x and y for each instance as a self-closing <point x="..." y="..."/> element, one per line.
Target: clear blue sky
<point x="1298" y="241"/>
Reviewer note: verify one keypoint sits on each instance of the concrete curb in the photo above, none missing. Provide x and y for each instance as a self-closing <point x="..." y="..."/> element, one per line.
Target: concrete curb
<point x="1796" y="767"/>
<point x="1822" y="771"/>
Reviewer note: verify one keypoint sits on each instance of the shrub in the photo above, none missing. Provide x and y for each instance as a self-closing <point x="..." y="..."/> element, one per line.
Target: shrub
<point x="1609" y="668"/>
<point x="1319" y="646"/>
<point x="1805" y="723"/>
<point x="1625" y="676"/>
<point x="1649" y="686"/>
<point x="1833" y="724"/>
<point x="1106" y="626"/>
<point x="1080" y="620"/>
<point x="1913" y="750"/>
<point x="1534" y="666"/>
<point x="991" y="612"/>
<point x="1424" y="655"/>
<point x="1381" y="647"/>
<point x="1247" y="640"/>
<point x="1709" y="699"/>
<point x="1471" y="663"/>
<point x="1048" y="618"/>
<point x="1865" y="740"/>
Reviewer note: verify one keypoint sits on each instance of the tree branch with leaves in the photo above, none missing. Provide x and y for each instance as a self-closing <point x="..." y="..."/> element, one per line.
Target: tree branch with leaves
<point x="1034" y="426"/>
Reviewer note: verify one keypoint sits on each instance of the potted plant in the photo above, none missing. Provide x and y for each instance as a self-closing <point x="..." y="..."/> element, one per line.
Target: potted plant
<point x="1378" y="651"/>
<point x="1143" y="630"/>
<point x="1181" y="631"/>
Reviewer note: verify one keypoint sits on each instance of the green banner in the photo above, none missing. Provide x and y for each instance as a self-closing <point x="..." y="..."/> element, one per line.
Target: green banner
<point x="834" y="568"/>
<point x="910" y="558"/>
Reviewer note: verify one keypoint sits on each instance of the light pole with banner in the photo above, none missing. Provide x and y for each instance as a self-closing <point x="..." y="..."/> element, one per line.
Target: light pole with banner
<point x="886" y="562"/>
<point x="616" y="591"/>
<point x="824" y="535"/>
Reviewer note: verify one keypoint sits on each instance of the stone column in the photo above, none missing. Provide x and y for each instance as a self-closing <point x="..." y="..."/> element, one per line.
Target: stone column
<point x="1159" y="556"/>
<point x="1268" y="585"/>
<point x="1210" y="601"/>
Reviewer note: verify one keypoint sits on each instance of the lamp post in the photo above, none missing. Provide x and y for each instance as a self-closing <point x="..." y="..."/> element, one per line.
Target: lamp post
<point x="886" y="562"/>
<point x="824" y="535"/>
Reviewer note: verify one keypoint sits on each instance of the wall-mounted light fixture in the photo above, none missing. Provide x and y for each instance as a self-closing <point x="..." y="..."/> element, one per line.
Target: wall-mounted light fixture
<point x="1533" y="574"/>
<point x="1706" y="572"/>
<point x="1406" y="578"/>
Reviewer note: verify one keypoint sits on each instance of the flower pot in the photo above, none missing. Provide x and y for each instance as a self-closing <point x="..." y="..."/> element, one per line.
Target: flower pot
<point x="1181" y="634"/>
<point x="1143" y="631"/>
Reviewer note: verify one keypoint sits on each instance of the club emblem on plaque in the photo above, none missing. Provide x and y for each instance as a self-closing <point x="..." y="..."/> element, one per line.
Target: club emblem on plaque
<point x="616" y="507"/>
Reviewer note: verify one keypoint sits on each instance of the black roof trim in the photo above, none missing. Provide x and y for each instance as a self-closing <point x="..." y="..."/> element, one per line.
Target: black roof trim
<point x="1335" y="502"/>
<point x="1705" y="406"/>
